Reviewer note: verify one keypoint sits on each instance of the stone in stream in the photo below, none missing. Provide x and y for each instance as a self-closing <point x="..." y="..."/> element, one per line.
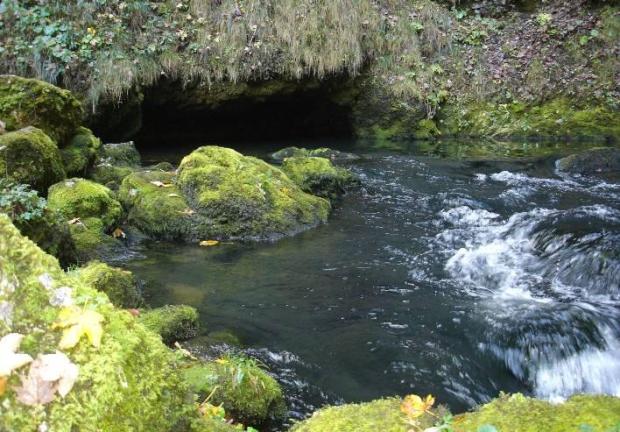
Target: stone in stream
<point x="318" y="176"/>
<point x="115" y="162"/>
<point x="602" y="160"/>
<point x="219" y="194"/>
<point x="336" y="156"/>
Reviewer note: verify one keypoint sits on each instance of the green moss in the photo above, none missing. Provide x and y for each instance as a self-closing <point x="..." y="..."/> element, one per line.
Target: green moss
<point x="173" y="322"/>
<point x="318" y="176"/>
<point x="119" y="285"/>
<point x="29" y="156"/>
<point x="30" y="102"/>
<point x="79" y="198"/>
<point x="109" y="175"/>
<point x="517" y="413"/>
<point x="156" y="211"/>
<point x="380" y="415"/>
<point x="129" y="382"/>
<point x="240" y="196"/>
<point x="91" y="241"/>
<point x="556" y="118"/>
<point x="213" y="425"/>
<point x="81" y="152"/>
<point x="426" y="129"/>
<point x="248" y="393"/>
<point x="121" y="154"/>
<point x="335" y="156"/>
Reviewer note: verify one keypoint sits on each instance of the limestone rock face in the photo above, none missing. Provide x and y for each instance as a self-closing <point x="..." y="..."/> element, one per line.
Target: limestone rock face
<point x="603" y="160"/>
<point x="29" y="156"/>
<point x="219" y="193"/>
<point x="30" y="102"/>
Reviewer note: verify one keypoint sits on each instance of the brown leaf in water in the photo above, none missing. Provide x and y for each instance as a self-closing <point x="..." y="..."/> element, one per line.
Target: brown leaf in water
<point x="208" y="243"/>
<point x="118" y="233"/>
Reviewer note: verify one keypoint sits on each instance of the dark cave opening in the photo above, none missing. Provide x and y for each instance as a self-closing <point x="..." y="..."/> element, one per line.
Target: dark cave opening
<point x="285" y="116"/>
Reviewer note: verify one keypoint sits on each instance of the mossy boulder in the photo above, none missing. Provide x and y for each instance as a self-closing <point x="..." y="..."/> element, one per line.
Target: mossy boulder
<point x="80" y="198"/>
<point x="158" y="211"/>
<point x="118" y="284"/>
<point x="173" y="322"/>
<point x="318" y="176"/>
<point x="115" y="162"/>
<point x="81" y="152"/>
<point x="29" y="156"/>
<point x="603" y="160"/>
<point x="248" y="393"/>
<point x="127" y="381"/>
<point x="92" y="211"/>
<point x="517" y="413"/>
<point x="30" y="102"/>
<point x="240" y="196"/>
<point x="336" y="156"/>
<point x="380" y="415"/>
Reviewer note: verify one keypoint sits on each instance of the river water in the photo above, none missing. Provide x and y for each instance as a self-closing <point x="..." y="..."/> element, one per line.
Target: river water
<point x="452" y="272"/>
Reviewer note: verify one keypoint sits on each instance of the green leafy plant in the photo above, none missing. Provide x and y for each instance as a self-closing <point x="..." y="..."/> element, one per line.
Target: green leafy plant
<point x="20" y="202"/>
<point x="543" y="19"/>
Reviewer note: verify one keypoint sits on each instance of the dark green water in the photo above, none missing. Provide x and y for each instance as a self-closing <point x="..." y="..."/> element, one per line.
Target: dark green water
<point x="456" y="277"/>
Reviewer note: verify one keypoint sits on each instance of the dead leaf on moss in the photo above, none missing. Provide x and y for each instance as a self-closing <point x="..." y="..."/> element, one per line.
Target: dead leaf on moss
<point x="3" y="381"/>
<point x="75" y="221"/>
<point x="76" y="323"/>
<point x="10" y="359"/>
<point x="48" y="374"/>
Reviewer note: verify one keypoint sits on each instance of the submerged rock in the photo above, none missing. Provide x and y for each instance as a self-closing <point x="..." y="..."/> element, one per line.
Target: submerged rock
<point x="219" y="193"/>
<point x="318" y="176"/>
<point x="29" y="156"/>
<point x="30" y="102"/>
<point x="81" y="152"/>
<point x="174" y="323"/>
<point x="248" y="393"/>
<point x="603" y="160"/>
<point x="335" y="156"/>
<point x="126" y="378"/>
<point x="118" y="284"/>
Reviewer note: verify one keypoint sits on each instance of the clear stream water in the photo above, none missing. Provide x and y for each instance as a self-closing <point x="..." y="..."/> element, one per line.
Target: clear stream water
<point x="447" y="275"/>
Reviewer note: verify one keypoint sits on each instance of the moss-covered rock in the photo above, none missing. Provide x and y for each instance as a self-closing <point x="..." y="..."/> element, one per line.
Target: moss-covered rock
<point x="81" y="152"/>
<point x="604" y="160"/>
<point x="115" y="162"/>
<point x="118" y="284"/>
<point x="80" y="198"/>
<point x="241" y="196"/>
<point x="517" y="413"/>
<point x="248" y="393"/>
<point x="318" y="176"/>
<point x="336" y="156"/>
<point x="173" y="322"/>
<point x="128" y="381"/>
<point x="30" y="156"/>
<point x="51" y="233"/>
<point x="380" y="415"/>
<point x="158" y="211"/>
<point x="92" y="242"/>
<point x="30" y="102"/>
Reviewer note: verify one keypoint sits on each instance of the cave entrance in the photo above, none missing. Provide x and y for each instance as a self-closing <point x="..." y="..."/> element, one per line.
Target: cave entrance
<point x="260" y="115"/>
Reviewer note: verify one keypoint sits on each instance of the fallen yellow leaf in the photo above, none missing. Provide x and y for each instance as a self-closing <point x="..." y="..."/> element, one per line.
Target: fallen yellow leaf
<point x="413" y="406"/>
<point x="76" y="323"/>
<point x="187" y="212"/>
<point x="3" y="381"/>
<point x="208" y="243"/>
<point x="161" y="184"/>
